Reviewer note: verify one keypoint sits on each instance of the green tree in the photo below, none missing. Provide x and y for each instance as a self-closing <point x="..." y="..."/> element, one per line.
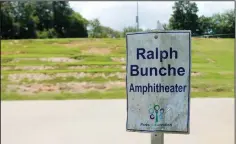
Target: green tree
<point x="205" y="25"/>
<point x="57" y="19"/>
<point x="77" y="26"/>
<point x="61" y="16"/>
<point x="44" y="19"/>
<point x="184" y="16"/>
<point x="7" y="20"/>
<point x="25" y="19"/>
<point x="224" y="23"/>
<point x="165" y="26"/>
<point x="95" y="28"/>
<point x="109" y="32"/>
<point x="130" y="29"/>
<point x="44" y="12"/>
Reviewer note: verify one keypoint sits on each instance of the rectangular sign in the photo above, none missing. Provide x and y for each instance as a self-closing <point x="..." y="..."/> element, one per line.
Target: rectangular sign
<point x="158" y="69"/>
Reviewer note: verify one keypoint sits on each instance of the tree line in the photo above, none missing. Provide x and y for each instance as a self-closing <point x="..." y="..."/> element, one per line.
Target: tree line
<point x="22" y="20"/>
<point x="44" y="19"/>
<point x="184" y="17"/>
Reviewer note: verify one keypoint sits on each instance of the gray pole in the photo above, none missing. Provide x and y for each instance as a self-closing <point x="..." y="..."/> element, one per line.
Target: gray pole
<point x="157" y="138"/>
<point x="137" y="18"/>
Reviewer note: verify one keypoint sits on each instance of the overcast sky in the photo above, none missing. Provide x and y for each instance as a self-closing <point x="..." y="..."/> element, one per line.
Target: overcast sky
<point x="118" y="15"/>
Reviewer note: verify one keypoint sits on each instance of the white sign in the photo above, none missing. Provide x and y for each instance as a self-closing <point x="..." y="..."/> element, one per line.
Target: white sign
<point x="158" y="81"/>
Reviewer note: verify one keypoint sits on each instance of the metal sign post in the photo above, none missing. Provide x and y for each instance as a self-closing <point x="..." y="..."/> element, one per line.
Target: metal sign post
<point x="157" y="138"/>
<point x="158" y="70"/>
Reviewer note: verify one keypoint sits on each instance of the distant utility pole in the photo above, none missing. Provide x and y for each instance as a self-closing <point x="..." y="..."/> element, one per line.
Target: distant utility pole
<point x="137" y="20"/>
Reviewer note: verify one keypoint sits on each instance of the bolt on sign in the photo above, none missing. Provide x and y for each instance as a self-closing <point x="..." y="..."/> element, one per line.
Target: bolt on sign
<point x="158" y="67"/>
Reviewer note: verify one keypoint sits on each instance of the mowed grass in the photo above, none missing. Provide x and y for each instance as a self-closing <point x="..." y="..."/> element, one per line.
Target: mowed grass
<point x="212" y="66"/>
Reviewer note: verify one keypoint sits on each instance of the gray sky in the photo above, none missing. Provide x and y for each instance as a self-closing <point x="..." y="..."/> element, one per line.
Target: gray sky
<point x="118" y="15"/>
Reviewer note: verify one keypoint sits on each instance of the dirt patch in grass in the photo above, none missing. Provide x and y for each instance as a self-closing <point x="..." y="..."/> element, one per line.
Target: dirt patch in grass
<point x="31" y="68"/>
<point x="195" y="90"/>
<point x="195" y="74"/>
<point x="29" y="77"/>
<point x="226" y="73"/>
<point x="9" y="53"/>
<point x="58" y="59"/>
<point x="70" y="44"/>
<point x="23" y="59"/>
<point x="51" y="59"/>
<point x="79" y="67"/>
<point x="42" y="77"/>
<point x="97" y="51"/>
<point x="6" y="68"/>
<point x="14" y="42"/>
<point x="96" y="66"/>
<point x="210" y="60"/>
<point x="115" y="59"/>
<point x="91" y="75"/>
<point x="72" y="87"/>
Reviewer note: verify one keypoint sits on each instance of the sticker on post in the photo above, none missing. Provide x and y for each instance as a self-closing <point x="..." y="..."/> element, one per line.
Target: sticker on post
<point x="158" y="69"/>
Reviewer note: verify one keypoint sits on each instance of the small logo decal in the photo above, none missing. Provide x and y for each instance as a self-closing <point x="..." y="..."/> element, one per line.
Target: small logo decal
<point x="156" y="113"/>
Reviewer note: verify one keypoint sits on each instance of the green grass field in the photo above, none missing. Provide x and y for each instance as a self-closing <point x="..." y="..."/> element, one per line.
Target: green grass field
<point x="95" y="68"/>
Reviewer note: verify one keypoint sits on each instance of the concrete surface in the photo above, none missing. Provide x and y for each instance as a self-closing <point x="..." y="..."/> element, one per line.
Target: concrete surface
<point x="103" y="122"/>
